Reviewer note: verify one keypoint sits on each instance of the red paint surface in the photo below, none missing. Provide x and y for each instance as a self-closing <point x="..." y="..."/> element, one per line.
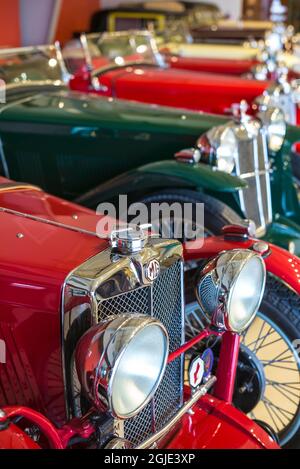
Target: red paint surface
<point x="32" y="272"/>
<point x="14" y="438"/>
<point x="214" y="93"/>
<point x="227" y="366"/>
<point x="212" y="424"/>
<point x="226" y="66"/>
<point x="38" y="419"/>
<point x="9" y="24"/>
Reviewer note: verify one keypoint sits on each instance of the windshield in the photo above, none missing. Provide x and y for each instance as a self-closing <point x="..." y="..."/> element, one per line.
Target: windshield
<point x="29" y="65"/>
<point x="176" y="32"/>
<point x="119" y="49"/>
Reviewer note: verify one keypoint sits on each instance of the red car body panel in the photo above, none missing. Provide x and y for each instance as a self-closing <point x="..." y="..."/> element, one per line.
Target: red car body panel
<point x="15" y="438"/>
<point x="237" y="67"/>
<point x="205" y="92"/>
<point x="212" y="424"/>
<point x="279" y="262"/>
<point x="33" y="269"/>
<point x="218" y="425"/>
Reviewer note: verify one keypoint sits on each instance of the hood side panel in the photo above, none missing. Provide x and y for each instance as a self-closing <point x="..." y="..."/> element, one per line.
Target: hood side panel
<point x="33" y="268"/>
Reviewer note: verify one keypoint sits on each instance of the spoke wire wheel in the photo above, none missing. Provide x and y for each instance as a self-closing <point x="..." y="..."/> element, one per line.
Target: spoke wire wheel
<point x="279" y="406"/>
<point x="280" y="403"/>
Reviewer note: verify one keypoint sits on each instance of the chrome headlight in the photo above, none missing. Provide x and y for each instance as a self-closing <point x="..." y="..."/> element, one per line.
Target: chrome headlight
<point x="227" y="151"/>
<point x="220" y="145"/>
<point x="230" y="289"/>
<point x="120" y="363"/>
<point x="274" y="121"/>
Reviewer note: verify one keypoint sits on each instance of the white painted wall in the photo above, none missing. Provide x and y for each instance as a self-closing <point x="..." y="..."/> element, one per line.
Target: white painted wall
<point x="35" y="18"/>
<point x="231" y="7"/>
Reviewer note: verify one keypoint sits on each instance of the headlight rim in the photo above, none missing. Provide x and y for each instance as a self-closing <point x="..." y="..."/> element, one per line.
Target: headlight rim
<point x="99" y="389"/>
<point x="211" y="141"/>
<point x="265" y="115"/>
<point x="232" y="287"/>
<point x="219" y="317"/>
<point x="114" y="370"/>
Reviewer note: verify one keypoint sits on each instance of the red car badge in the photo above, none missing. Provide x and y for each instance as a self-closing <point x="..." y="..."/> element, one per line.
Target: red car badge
<point x="196" y="372"/>
<point x="152" y="270"/>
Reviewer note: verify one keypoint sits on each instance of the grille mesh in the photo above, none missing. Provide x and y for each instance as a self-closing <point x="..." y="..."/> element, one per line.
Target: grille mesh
<point x="163" y="300"/>
<point x="208" y="293"/>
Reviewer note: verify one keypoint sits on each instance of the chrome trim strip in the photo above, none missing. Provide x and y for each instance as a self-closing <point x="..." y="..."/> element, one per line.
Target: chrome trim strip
<point x="15" y="186"/>
<point x="46" y="221"/>
<point x="184" y="409"/>
<point x="26" y="49"/>
<point x="261" y="172"/>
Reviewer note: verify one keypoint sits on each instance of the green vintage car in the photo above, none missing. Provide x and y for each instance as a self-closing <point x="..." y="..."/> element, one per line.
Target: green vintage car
<point x="92" y="149"/>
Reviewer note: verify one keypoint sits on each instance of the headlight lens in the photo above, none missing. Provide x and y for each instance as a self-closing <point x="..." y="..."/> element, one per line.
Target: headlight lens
<point x="231" y="287"/>
<point x="245" y="294"/>
<point x="120" y="363"/>
<point x="138" y="371"/>
<point x="274" y="121"/>
<point x="227" y="151"/>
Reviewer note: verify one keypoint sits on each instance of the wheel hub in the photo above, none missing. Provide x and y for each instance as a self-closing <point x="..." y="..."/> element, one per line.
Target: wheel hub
<point x="250" y="381"/>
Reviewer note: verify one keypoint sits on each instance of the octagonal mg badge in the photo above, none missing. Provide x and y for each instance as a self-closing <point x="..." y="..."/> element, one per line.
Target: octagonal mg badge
<point x="152" y="270"/>
<point x="196" y="372"/>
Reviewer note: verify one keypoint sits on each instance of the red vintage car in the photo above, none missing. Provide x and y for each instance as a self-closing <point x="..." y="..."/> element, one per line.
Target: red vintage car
<point x="252" y="68"/>
<point x="79" y="312"/>
<point x="128" y="65"/>
<point x="257" y="59"/>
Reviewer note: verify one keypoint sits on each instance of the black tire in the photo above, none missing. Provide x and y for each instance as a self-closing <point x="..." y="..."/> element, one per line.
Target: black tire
<point x="216" y="213"/>
<point x="279" y="312"/>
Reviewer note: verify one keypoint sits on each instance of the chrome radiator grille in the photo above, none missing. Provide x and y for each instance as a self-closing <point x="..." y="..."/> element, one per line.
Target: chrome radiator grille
<point x="162" y="300"/>
<point x="253" y="168"/>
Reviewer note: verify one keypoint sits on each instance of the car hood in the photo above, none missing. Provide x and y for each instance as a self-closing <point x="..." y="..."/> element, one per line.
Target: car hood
<point x="71" y="108"/>
<point x="207" y="92"/>
<point x="43" y="237"/>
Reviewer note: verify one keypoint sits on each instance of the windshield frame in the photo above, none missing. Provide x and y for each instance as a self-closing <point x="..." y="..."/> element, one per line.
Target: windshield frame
<point x="131" y="34"/>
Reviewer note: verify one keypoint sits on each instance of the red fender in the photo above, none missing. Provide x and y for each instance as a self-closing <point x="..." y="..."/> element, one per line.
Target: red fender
<point x="214" y="424"/>
<point x="279" y="262"/>
<point x="14" y="438"/>
<point x="35" y="417"/>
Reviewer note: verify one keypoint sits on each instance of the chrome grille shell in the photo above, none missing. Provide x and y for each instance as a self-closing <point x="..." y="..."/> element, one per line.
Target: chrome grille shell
<point x="111" y="284"/>
<point x="253" y="167"/>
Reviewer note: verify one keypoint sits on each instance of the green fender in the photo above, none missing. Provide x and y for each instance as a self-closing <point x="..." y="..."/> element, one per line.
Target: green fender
<point x="163" y="175"/>
<point x="292" y="135"/>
